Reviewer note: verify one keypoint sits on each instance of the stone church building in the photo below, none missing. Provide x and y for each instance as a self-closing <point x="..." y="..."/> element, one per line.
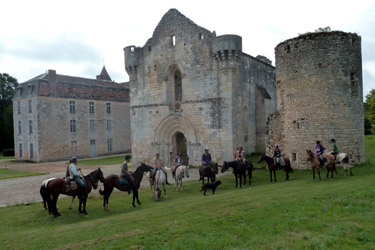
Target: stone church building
<point x="58" y="116"/>
<point x="191" y="89"/>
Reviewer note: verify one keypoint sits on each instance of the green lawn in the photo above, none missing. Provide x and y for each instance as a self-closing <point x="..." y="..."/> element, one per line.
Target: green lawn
<point x="6" y="157"/>
<point x="6" y="173"/>
<point x="301" y="213"/>
<point x="111" y="160"/>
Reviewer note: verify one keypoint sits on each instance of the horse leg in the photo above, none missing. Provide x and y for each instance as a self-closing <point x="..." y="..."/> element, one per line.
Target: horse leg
<point x="71" y="202"/>
<point x="137" y="197"/>
<point x="327" y="171"/>
<point x="313" y="169"/>
<point x="287" y="175"/>
<point x="235" y="176"/>
<point x="271" y="175"/>
<point x="107" y="193"/>
<point x="54" y="206"/>
<point x="181" y="186"/>
<point x="134" y="196"/>
<point x="274" y="174"/>
<point x="319" y="173"/>
<point x="84" y="198"/>
<point x="165" y="192"/>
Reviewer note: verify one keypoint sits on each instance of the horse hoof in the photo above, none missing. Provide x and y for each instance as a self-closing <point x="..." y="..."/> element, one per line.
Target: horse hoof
<point x="85" y="213"/>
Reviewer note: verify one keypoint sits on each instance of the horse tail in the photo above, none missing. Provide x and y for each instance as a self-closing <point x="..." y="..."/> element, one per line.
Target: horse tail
<point x="43" y="194"/>
<point x="48" y="198"/>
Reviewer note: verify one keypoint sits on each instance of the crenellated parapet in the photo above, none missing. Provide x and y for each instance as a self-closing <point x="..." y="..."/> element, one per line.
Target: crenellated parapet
<point x="227" y="47"/>
<point x="132" y="55"/>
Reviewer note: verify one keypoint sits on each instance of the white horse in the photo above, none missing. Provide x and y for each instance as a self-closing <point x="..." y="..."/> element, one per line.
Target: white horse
<point x="160" y="180"/>
<point x="343" y="160"/>
<point x="181" y="171"/>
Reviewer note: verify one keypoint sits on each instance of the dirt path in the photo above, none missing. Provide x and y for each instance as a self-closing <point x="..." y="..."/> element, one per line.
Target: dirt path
<point x="25" y="190"/>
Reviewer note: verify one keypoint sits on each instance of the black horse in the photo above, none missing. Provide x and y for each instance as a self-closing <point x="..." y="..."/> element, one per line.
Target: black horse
<point x="271" y="166"/>
<point x="249" y="169"/>
<point x="208" y="171"/>
<point x="113" y="181"/>
<point x="239" y="170"/>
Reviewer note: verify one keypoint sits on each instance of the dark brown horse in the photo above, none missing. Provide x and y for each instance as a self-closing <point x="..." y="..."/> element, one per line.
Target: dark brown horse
<point x="271" y="166"/>
<point x="315" y="163"/>
<point x="113" y="181"/>
<point x="210" y="171"/>
<point x="239" y="170"/>
<point x="57" y="186"/>
<point x="249" y="169"/>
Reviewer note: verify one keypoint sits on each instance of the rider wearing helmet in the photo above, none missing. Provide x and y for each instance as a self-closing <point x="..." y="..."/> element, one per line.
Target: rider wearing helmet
<point x="75" y="176"/>
<point x="277" y="156"/>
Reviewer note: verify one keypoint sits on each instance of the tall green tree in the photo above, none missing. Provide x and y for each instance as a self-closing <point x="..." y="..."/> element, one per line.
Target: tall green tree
<point x="369" y="108"/>
<point x="8" y="85"/>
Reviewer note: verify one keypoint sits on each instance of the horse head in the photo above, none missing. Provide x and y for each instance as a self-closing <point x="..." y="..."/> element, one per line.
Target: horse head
<point x="215" y="167"/>
<point x="225" y="167"/>
<point x="144" y="167"/>
<point x="100" y="175"/>
<point x="261" y="158"/>
<point x="309" y="155"/>
<point x="187" y="171"/>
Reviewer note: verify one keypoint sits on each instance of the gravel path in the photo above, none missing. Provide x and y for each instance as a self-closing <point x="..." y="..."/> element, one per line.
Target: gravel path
<point x="25" y="190"/>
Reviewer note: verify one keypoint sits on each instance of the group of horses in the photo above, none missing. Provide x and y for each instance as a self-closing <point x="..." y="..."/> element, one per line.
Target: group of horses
<point x="52" y="188"/>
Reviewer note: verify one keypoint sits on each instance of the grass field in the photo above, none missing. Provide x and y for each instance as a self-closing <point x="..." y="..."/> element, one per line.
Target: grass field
<point x="301" y="213"/>
<point x="6" y="173"/>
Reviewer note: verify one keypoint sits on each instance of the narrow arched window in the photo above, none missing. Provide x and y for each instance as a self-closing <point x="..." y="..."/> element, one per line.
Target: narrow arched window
<point x="177" y="86"/>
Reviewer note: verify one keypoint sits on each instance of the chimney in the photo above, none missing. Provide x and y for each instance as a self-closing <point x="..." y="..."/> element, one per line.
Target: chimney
<point x="52" y="81"/>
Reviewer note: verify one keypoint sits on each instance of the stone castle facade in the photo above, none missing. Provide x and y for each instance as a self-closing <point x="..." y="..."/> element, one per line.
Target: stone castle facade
<point x="319" y="96"/>
<point x="191" y="89"/>
<point x="58" y="116"/>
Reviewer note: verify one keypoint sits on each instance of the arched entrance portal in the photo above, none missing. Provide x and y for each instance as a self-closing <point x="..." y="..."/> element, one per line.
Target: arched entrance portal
<point x="179" y="146"/>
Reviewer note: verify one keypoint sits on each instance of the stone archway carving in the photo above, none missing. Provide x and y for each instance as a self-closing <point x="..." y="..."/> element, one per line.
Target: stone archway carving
<point x="166" y="132"/>
<point x="172" y="124"/>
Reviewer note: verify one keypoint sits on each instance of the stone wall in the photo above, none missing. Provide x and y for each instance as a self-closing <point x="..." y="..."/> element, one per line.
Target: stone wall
<point x="319" y="91"/>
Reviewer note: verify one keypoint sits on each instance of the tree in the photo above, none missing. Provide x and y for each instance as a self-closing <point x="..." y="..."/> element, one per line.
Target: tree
<point x="8" y="85"/>
<point x="369" y="108"/>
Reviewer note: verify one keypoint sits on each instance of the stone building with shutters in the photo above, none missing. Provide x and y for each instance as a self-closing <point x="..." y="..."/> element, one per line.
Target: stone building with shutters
<point x="59" y="116"/>
<point x="191" y="89"/>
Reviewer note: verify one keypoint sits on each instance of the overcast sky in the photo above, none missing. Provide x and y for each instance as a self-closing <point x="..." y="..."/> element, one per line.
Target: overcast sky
<point x="75" y="37"/>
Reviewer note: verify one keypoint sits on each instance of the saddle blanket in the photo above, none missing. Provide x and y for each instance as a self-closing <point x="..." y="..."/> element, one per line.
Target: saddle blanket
<point x="123" y="181"/>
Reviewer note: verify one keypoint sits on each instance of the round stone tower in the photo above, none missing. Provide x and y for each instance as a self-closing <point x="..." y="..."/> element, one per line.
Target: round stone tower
<point x="319" y="95"/>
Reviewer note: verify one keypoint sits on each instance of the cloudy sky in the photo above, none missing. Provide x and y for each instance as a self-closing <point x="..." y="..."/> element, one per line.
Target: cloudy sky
<point x="75" y="37"/>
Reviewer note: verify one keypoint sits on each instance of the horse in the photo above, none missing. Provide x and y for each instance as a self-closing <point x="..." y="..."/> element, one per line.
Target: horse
<point x="249" y="169"/>
<point x="113" y="181"/>
<point x="181" y="171"/>
<point x="315" y="163"/>
<point x="239" y="170"/>
<point x="343" y="160"/>
<point x="43" y="188"/>
<point x="57" y="186"/>
<point x="160" y="180"/>
<point x="209" y="171"/>
<point x="271" y="166"/>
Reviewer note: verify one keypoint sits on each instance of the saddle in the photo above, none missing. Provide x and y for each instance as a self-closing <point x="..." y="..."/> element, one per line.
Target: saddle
<point x="70" y="185"/>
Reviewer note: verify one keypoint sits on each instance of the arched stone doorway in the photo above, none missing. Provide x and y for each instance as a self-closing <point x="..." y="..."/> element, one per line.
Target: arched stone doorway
<point x="176" y="134"/>
<point x="179" y="146"/>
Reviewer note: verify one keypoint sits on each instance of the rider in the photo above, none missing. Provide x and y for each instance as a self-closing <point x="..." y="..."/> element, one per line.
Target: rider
<point x="206" y="157"/>
<point x="277" y="156"/>
<point x="75" y="176"/>
<point x="334" y="148"/>
<point x="319" y="150"/>
<point x="177" y="162"/>
<point x="158" y="165"/>
<point x="235" y="153"/>
<point x="125" y="173"/>
<point x="240" y="154"/>
<point x="67" y="169"/>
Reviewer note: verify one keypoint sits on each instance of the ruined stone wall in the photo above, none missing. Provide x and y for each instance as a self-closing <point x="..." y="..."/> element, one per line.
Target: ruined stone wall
<point x="319" y="90"/>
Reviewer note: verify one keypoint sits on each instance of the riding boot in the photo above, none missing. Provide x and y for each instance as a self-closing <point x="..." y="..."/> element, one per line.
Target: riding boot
<point x="130" y="188"/>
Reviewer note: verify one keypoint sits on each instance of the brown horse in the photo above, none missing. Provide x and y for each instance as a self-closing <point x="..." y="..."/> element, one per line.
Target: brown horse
<point x="315" y="163"/>
<point x="57" y="186"/>
<point x="113" y="181"/>
<point x="271" y="166"/>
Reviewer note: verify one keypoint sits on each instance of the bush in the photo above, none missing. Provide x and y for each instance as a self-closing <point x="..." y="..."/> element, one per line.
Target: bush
<point x="8" y="152"/>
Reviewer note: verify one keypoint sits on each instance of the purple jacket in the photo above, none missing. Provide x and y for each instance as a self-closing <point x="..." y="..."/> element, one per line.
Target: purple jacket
<point x="206" y="158"/>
